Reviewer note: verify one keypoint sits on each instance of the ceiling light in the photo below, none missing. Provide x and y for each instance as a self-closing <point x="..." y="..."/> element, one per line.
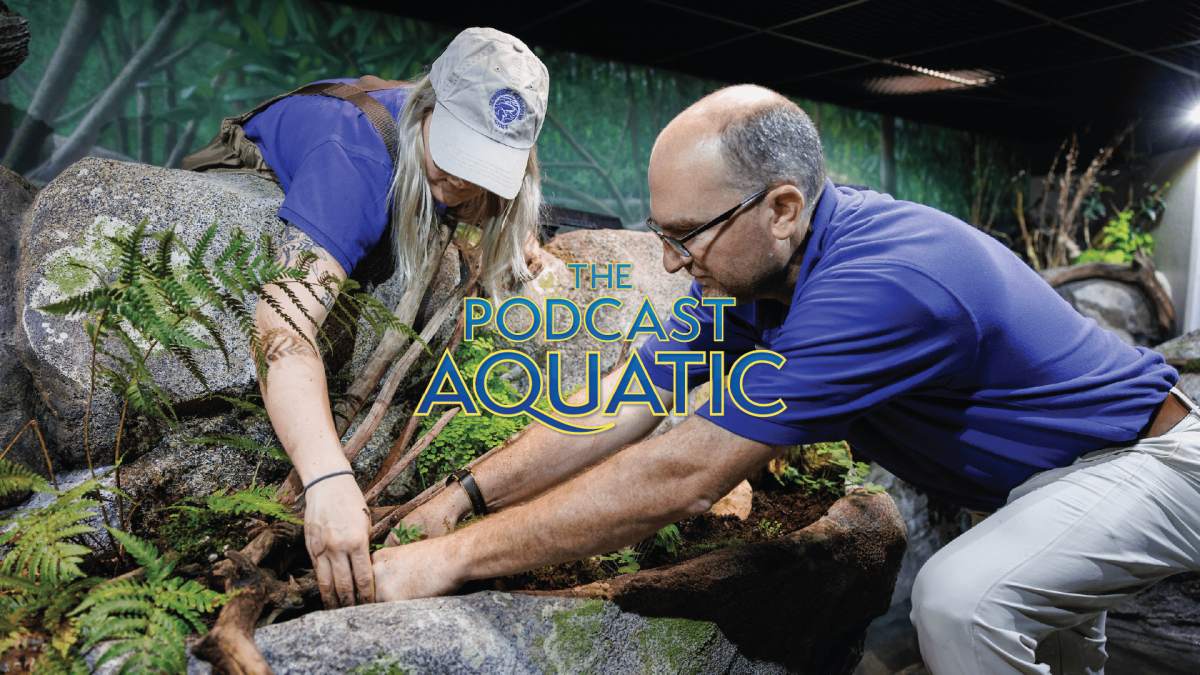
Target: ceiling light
<point x="1194" y="116"/>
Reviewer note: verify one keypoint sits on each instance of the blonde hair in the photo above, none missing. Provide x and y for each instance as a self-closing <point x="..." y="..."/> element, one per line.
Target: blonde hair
<point x="505" y="224"/>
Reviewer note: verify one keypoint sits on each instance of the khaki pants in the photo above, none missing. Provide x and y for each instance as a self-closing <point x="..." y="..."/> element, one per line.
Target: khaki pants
<point x="1027" y="590"/>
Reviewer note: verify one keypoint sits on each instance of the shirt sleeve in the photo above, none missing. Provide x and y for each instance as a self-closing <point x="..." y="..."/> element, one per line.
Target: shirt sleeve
<point x="853" y="340"/>
<point x="339" y="198"/>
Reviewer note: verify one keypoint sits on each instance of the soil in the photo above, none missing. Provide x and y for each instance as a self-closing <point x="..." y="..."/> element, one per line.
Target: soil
<point x="775" y="512"/>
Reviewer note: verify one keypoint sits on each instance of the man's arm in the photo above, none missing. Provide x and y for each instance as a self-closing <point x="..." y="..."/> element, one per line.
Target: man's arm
<point x="622" y="500"/>
<point x="337" y="523"/>
<point x="541" y="459"/>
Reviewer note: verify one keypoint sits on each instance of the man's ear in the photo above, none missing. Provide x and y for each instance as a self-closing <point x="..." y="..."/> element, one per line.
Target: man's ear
<point x="787" y="205"/>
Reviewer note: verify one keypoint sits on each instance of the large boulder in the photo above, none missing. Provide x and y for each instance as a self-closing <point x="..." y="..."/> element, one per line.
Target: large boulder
<point x="1117" y="306"/>
<point x="68" y="226"/>
<point x="17" y="403"/>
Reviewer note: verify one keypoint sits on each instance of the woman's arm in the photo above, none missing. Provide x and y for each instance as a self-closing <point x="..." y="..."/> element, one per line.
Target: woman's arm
<point x="337" y="522"/>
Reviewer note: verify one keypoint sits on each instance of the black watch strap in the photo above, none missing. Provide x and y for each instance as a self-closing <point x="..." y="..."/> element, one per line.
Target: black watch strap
<point x="464" y="478"/>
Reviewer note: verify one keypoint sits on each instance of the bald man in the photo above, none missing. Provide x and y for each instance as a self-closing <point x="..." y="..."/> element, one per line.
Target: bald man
<point x="926" y="344"/>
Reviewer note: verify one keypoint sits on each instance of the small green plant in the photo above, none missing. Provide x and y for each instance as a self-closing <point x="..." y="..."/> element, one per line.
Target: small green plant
<point x="1119" y="242"/>
<point x="625" y="560"/>
<point x="467" y="437"/>
<point x="407" y="534"/>
<point x="669" y="539"/>
<point x="836" y="455"/>
<point x="47" y="599"/>
<point x="199" y="527"/>
<point x="770" y="528"/>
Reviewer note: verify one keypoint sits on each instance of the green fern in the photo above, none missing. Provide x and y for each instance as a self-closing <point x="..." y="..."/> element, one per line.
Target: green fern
<point x="16" y="478"/>
<point x="256" y="500"/>
<point x="151" y="615"/>
<point x="209" y="525"/>
<point x="40" y="578"/>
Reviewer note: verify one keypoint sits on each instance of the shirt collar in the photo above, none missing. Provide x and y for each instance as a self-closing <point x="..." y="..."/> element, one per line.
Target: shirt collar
<point x="818" y="236"/>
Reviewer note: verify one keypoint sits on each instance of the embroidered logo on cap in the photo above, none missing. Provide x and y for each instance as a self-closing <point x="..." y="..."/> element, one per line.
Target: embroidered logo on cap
<point x="507" y="107"/>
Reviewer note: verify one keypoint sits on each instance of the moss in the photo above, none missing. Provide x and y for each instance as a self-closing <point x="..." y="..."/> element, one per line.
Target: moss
<point x="549" y="282"/>
<point x="676" y="645"/>
<point x="380" y="665"/>
<point x="570" y="646"/>
<point x="94" y="250"/>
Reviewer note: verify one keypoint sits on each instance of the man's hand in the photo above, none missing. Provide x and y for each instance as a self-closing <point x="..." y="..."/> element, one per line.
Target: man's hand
<point x="337" y="531"/>
<point x="422" y="569"/>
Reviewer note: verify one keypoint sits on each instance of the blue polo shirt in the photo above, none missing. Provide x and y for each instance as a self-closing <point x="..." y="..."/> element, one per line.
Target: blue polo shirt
<point x="333" y="167"/>
<point x="933" y="350"/>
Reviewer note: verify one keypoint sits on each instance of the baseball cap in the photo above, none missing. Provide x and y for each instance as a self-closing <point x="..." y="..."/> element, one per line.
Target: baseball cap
<point x="491" y="101"/>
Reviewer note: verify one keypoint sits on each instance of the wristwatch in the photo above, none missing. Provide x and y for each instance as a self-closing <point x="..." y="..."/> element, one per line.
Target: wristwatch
<point x="467" y="482"/>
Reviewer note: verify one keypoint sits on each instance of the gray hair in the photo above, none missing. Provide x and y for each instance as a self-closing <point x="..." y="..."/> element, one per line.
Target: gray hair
<point x="775" y="144"/>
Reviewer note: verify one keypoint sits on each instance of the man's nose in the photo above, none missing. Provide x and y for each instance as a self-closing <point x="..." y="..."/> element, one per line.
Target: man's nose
<point x="672" y="261"/>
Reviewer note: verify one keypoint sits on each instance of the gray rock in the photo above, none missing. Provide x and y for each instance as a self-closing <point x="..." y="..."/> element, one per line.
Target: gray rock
<point x="493" y="632"/>
<point x="1117" y="306"/>
<point x="1158" y="630"/>
<point x="68" y="224"/>
<point x="18" y="405"/>
<point x="1183" y="348"/>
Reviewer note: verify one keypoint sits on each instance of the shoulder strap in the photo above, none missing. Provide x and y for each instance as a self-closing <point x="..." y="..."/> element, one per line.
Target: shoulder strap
<point x="356" y="93"/>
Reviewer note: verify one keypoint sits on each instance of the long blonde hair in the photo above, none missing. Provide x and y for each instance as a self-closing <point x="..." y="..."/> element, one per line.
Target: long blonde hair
<point x="505" y="224"/>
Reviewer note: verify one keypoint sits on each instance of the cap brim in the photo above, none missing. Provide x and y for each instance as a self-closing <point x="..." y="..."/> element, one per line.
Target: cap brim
<point x="463" y="152"/>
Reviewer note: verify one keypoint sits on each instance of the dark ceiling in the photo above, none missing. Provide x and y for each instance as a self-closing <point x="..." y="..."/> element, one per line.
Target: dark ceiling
<point x="1026" y="70"/>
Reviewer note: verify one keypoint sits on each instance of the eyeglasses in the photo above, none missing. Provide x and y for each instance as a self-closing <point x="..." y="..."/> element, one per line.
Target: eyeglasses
<point x="677" y="244"/>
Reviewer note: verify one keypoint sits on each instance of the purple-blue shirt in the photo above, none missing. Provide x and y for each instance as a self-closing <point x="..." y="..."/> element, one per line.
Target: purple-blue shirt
<point x="333" y="167"/>
<point x="933" y="350"/>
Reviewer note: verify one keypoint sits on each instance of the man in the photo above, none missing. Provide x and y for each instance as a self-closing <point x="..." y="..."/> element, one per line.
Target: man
<point x="927" y="345"/>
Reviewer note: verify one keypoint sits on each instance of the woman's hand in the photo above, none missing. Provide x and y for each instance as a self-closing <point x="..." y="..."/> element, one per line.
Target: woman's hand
<point x="337" y="532"/>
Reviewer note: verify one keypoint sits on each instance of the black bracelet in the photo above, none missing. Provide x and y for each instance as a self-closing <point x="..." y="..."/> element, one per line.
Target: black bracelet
<point x="331" y="475"/>
<point x="467" y="481"/>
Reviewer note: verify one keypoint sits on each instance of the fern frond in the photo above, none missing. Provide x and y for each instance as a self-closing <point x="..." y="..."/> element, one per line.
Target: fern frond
<point x="259" y="500"/>
<point x="16" y="478"/>
<point x="243" y="444"/>
<point x="256" y="410"/>
<point x="86" y="302"/>
<point x="196" y="254"/>
<point x="130" y="251"/>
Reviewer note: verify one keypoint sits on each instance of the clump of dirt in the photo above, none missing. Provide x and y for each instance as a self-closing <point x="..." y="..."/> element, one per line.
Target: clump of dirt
<point x="776" y="511"/>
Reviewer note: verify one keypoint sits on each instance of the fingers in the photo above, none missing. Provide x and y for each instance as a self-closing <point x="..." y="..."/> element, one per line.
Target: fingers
<point x="325" y="581"/>
<point x="343" y="582"/>
<point x="364" y="577"/>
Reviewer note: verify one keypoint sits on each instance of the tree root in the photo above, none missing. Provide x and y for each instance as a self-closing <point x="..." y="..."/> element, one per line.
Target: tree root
<point x="229" y="646"/>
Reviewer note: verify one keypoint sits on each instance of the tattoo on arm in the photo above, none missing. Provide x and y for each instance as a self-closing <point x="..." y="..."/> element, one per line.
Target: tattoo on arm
<point x="280" y="342"/>
<point x="292" y="245"/>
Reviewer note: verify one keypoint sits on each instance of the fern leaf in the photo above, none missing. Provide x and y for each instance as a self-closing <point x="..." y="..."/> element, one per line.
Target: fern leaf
<point x="142" y="551"/>
<point x="16" y="478"/>
<point x="260" y="500"/>
<point x="256" y="410"/>
<point x="83" y="303"/>
<point x="196" y="255"/>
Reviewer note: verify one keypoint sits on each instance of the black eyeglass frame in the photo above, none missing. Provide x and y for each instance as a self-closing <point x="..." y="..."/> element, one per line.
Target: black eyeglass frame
<point x="677" y="244"/>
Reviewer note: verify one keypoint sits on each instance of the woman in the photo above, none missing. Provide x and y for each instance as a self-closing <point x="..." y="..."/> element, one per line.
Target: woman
<point x="465" y="152"/>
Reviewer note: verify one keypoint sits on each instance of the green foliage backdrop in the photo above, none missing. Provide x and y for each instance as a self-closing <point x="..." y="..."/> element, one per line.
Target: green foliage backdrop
<point x="224" y="56"/>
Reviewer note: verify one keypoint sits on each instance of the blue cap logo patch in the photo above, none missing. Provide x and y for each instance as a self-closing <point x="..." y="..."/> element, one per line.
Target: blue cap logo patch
<point x="507" y="107"/>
